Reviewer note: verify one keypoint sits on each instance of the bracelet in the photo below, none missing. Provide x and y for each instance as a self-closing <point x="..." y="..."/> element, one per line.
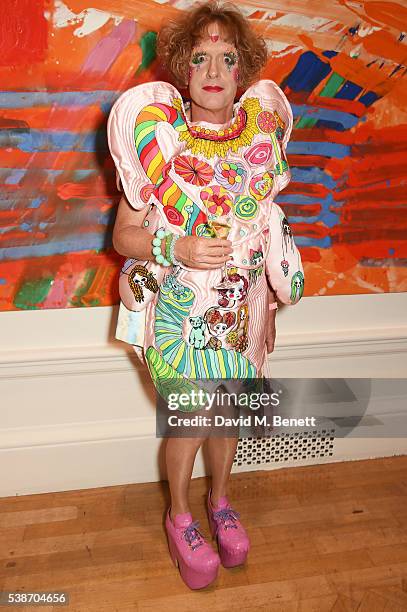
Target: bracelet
<point x="173" y="259"/>
<point x="159" y="236"/>
<point x="168" y="240"/>
<point x="273" y="306"/>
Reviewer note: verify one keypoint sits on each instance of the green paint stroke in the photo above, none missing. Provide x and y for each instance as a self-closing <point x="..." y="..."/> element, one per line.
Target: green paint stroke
<point x="332" y="86"/>
<point x="83" y="288"/>
<point x="32" y="293"/>
<point x="148" y="47"/>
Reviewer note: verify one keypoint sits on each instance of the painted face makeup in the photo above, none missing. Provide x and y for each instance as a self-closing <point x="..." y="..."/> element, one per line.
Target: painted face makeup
<point x="213" y="76"/>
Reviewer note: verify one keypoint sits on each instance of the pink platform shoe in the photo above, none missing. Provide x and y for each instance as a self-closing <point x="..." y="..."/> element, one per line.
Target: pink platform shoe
<point x="233" y="541"/>
<point x="197" y="561"/>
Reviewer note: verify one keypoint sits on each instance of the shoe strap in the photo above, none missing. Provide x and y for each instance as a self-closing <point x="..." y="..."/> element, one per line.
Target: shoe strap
<point x="192" y="533"/>
<point x="226" y="514"/>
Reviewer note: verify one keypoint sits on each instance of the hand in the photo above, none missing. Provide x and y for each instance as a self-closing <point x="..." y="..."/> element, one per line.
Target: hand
<point x="271" y="331"/>
<point x="203" y="253"/>
<point x="271" y="325"/>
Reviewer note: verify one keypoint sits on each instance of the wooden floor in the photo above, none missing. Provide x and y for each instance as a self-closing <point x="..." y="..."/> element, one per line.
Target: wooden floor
<point x="330" y="537"/>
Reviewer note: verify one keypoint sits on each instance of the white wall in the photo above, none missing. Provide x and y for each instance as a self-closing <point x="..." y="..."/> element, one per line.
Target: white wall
<point x="77" y="410"/>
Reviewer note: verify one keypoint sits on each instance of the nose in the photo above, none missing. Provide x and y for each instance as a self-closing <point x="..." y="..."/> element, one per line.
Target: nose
<point x="212" y="68"/>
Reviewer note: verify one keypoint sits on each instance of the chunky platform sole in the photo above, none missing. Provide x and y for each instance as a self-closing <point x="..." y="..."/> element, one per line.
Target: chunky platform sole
<point x="228" y="559"/>
<point x="194" y="579"/>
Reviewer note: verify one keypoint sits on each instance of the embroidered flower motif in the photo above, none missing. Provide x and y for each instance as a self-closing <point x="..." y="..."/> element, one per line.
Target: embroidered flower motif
<point x="246" y="208"/>
<point x="259" y="154"/>
<point x="173" y="215"/>
<point x="193" y="170"/>
<point x="261" y="185"/>
<point x="146" y="191"/>
<point x="266" y="122"/>
<point x="231" y="175"/>
<point x="217" y="200"/>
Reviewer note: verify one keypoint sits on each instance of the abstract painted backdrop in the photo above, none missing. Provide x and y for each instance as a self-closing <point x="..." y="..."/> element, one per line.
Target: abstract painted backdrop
<point x="342" y="65"/>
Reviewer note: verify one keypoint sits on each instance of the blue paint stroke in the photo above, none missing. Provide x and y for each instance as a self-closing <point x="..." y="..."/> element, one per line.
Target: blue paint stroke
<point x="325" y="149"/>
<point x="79" y="175"/>
<point x="308" y="72"/>
<point x="323" y="243"/>
<point x="346" y="120"/>
<point x="14" y="176"/>
<point x="369" y="98"/>
<point x="43" y="140"/>
<point x="36" y="203"/>
<point x="326" y="216"/>
<point x="74" y="244"/>
<point x="28" y="99"/>
<point x="312" y="175"/>
<point x="348" y="91"/>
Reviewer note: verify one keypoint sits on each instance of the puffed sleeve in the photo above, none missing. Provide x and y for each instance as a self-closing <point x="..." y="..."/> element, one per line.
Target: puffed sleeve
<point x="275" y="122"/>
<point x="283" y="262"/>
<point x="130" y="176"/>
<point x="278" y="104"/>
<point x="284" y="120"/>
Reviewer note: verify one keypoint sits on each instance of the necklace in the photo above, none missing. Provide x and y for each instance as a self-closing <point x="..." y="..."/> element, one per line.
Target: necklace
<point x="210" y="142"/>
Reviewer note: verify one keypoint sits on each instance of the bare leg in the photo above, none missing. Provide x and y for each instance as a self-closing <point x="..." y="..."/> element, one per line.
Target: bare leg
<point x="180" y="458"/>
<point x="221" y="454"/>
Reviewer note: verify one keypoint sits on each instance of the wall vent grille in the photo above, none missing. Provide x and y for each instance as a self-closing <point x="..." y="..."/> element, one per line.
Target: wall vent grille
<point x="285" y="447"/>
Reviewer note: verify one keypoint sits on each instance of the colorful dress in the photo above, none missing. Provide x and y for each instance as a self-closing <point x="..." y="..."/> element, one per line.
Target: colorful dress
<point x="204" y="324"/>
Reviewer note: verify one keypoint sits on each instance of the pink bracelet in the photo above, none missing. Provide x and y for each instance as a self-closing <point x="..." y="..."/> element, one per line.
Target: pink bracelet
<point x="273" y="306"/>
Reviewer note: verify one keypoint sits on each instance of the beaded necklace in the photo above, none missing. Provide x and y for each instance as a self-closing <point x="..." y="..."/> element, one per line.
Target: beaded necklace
<point x="210" y="142"/>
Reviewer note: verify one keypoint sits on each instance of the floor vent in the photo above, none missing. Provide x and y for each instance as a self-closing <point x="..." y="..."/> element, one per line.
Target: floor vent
<point x="285" y="447"/>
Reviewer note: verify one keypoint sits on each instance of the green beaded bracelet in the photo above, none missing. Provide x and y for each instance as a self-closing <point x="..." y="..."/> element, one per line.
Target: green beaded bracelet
<point x="168" y="240"/>
<point x="160" y="234"/>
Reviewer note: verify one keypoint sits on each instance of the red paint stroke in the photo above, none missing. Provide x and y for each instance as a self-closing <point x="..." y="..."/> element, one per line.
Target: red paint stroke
<point x="89" y="189"/>
<point x="12" y="124"/>
<point x="310" y="254"/>
<point x="316" y="230"/>
<point x="309" y="189"/>
<point x="375" y="248"/>
<point x="387" y="13"/>
<point x="308" y="161"/>
<point x="303" y="210"/>
<point x="375" y="197"/>
<point x="23" y="32"/>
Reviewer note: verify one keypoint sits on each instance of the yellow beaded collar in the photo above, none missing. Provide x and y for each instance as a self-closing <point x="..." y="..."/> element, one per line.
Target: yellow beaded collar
<point x="210" y="142"/>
